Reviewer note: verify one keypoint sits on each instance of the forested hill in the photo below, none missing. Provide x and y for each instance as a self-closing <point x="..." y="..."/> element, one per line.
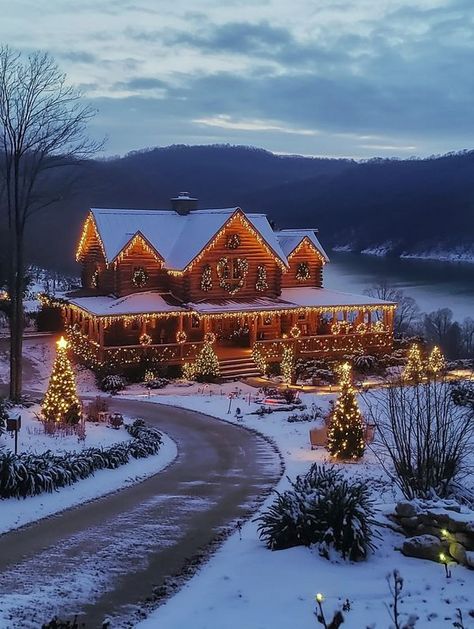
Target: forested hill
<point x="414" y="204"/>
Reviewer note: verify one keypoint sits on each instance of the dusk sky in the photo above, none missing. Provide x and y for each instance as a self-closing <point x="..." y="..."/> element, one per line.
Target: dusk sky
<point x="356" y="78"/>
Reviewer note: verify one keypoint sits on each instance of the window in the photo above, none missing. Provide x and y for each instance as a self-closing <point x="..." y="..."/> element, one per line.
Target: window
<point x="195" y="322"/>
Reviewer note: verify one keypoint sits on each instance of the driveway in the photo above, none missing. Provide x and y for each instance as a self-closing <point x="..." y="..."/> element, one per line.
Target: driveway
<point x="105" y="558"/>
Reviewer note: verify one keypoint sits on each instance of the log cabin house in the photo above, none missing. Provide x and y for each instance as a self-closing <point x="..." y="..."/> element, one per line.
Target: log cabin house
<point x="161" y="283"/>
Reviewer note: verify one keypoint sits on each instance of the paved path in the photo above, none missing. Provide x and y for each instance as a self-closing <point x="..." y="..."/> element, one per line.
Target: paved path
<point x="103" y="558"/>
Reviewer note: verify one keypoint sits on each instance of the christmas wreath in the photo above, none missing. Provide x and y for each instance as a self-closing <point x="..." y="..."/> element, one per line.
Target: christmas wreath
<point x="223" y="273"/>
<point x="139" y="277"/>
<point x="209" y="338"/>
<point x="302" y="272"/>
<point x="295" y="332"/>
<point x="145" y="339"/>
<point x="181" y="337"/>
<point x="233" y="241"/>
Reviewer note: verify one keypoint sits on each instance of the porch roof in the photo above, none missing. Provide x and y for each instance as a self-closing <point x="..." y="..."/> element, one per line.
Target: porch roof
<point x="148" y="302"/>
<point x="217" y="306"/>
<point x="325" y="298"/>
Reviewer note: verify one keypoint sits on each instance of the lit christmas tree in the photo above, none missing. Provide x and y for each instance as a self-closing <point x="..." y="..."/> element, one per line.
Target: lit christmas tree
<point x="61" y="403"/>
<point x="346" y="429"/>
<point x="436" y="363"/>
<point x="414" y="369"/>
<point x="205" y="367"/>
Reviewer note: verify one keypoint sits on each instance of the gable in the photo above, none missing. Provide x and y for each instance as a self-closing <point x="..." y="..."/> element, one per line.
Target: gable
<point x="90" y="242"/>
<point x="306" y="246"/>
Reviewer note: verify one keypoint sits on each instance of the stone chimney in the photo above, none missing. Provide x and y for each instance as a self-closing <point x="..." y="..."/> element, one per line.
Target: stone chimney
<point x="183" y="203"/>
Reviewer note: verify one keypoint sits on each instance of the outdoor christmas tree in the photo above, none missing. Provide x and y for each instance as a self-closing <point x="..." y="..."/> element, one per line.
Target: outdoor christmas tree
<point x="205" y="367"/>
<point x="414" y="369"/>
<point x="436" y="363"/>
<point x="61" y="403"/>
<point x="346" y="429"/>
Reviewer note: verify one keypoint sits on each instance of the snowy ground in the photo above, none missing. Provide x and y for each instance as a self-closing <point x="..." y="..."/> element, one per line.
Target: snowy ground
<point x="246" y="585"/>
<point x="15" y="513"/>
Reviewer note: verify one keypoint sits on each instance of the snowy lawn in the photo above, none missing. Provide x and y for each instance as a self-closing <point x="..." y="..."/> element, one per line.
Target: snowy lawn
<point x="246" y="585"/>
<point x="17" y="512"/>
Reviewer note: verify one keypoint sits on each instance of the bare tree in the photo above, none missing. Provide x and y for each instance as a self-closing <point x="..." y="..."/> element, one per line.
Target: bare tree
<point x="407" y="312"/>
<point x="467" y="336"/>
<point x="425" y="433"/>
<point x="42" y="127"/>
<point x="440" y="329"/>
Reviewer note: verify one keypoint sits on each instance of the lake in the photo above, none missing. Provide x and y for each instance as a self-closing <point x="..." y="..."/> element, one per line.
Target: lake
<point x="433" y="284"/>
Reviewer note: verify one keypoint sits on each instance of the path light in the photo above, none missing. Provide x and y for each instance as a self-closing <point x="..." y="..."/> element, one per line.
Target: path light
<point x="445" y="560"/>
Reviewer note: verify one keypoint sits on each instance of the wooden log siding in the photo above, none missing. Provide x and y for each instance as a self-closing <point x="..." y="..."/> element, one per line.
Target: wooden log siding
<point x="136" y="257"/>
<point x="305" y="254"/>
<point x="249" y="249"/>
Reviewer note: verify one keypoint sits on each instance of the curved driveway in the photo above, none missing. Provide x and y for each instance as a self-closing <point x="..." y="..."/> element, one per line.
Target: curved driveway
<point x="105" y="557"/>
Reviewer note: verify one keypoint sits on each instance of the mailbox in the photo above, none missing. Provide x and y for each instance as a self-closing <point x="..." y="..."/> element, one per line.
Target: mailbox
<point x="14" y="423"/>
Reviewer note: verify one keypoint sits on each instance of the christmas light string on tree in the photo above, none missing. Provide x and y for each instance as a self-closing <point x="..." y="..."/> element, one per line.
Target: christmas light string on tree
<point x="206" y="365"/>
<point x="346" y="428"/>
<point x="414" y="369"/>
<point x="61" y="403"/>
<point x="436" y="363"/>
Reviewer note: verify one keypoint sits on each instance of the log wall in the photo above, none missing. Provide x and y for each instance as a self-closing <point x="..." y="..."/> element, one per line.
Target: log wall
<point x="307" y="254"/>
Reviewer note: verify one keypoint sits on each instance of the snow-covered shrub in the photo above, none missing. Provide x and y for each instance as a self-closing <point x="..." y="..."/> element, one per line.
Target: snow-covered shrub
<point x="113" y="384"/>
<point x="463" y="394"/>
<point x="299" y="417"/>
<point x="325" y="509"/>
<point x="28" y="474"/>
<point x="156" y="383"/>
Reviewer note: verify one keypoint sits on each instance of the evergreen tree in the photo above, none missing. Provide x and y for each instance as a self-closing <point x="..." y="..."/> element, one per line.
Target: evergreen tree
<point x="346" y="429"/>
<point x="414" y="369"/>
<point x="61" y="403"/>
<point x="436" y="363"/>
<point x="206" y="366"/>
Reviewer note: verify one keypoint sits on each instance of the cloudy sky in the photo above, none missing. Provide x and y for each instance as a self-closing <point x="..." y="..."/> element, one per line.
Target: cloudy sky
<point x="353" y="78"/>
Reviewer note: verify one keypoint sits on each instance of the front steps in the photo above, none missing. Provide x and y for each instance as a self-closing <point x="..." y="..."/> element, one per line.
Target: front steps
<point x="237" y="368"/>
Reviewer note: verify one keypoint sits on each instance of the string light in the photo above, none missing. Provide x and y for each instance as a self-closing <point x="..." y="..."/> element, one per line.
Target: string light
<point x="306" y="242"/>
<point x="61" y="403"/>
<point x="288" y="364"/>
<point x="414" y="369"/>
<point x="261" y="284"/>
<point x="346" y="429"/>
<point x="436" y="363"/>
<point x="206" y="278"/>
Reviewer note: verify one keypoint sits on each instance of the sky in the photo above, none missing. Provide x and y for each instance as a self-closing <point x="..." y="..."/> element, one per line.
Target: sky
<point x="352" y="78"/>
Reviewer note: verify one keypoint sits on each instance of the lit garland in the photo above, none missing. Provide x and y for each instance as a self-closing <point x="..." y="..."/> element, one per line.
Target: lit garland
<point x="302" y="272"/>
<point x="240" y="217"/>
<point x="139" y="277"/>
<point x="287" y="364"/>
<point x="95" y="279"/>
<point x="223" y="271"/>
<point x="138" y="239"/>
<point x="261" y="284"/>
<point x="306" y="242"/>
<point x="206" y="278"/>
<point x="61" y="403"/>
<point x="340" y="327"/>
<point x="233" y="241"/>
<point x="89" y="226"/>
<point x="346" y="428"/>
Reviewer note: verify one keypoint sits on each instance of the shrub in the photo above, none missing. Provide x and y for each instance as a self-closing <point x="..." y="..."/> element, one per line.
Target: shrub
<point x="325" y="509"/>
<point x="3" y="415"/>
<point x="154" y="382"/>
<point x="29" y="474"/>
<point x="112" y="384"/>
<point x="364" y="362"/>
<point x="427" y="435"/>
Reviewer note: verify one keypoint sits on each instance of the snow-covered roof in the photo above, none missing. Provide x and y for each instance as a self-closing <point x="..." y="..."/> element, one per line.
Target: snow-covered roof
<point x="289" y="239"/>
<point x="139" y="303"/>
<point x="239" y="305"/>
<point x="177" y="238"/>
<point x="307" y="297"/>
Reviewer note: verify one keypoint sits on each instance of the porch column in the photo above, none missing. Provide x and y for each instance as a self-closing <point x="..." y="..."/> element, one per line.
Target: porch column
<point x="252" y="330"/>
<point x="101" y="333"/>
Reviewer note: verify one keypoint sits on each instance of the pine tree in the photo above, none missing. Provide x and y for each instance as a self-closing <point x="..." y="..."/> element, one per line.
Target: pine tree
<point x="206" y="366"/>
<point x="61" y="403"/>
<point x="436" y="363"/>
<point x="346" y="429"/>
<point x="414" y="369"/>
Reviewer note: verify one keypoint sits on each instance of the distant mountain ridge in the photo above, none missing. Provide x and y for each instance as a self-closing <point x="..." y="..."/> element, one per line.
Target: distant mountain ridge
<point x="415" y="205"/>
